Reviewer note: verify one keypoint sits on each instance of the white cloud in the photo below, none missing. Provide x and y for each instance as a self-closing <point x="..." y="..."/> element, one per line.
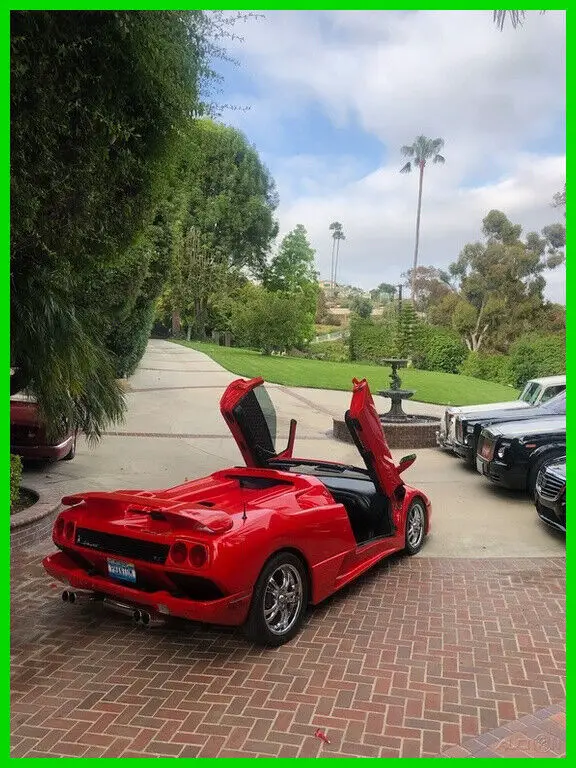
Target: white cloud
<point x="491" y="95"/>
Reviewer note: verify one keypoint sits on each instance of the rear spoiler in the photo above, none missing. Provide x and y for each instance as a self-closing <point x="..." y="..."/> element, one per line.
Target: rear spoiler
<point x="187" y="515"/>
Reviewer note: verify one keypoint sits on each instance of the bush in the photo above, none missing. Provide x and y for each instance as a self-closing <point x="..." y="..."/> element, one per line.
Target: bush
<point x="128" y="341"/>
<point x="15" y="478"/>
<point x="271" y="321"/>
<point x="487" y="367"/>
<point x="334" y="351"/>
<point x="437" y="349"/>
<point x="370" y="341"/>
<point x="535" y="355"/>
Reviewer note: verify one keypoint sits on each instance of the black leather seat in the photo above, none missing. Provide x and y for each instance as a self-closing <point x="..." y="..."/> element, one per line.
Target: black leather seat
<point x="367" y="508"/>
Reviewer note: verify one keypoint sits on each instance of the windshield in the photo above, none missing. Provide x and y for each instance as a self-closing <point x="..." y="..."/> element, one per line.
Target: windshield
<point x="555" y="405"/>
<point x="531" y="392"/>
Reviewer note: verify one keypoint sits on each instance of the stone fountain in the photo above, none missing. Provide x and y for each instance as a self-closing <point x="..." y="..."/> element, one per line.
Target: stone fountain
<point x="402" y="430"/>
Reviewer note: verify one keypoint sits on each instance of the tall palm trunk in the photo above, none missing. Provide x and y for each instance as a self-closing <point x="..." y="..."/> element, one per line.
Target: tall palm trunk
<point x="336" y="262"/>
<point x="415" y="265"/>
<point x="332" y="278"/>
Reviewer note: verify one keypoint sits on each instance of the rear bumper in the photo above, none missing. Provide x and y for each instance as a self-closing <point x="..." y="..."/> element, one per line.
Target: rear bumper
<point x="231" y="610"/>
<point x="513" y="477"/>
<point x="46" y="452"/>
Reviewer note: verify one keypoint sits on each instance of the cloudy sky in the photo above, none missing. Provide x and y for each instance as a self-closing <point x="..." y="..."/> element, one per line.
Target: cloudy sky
<point x="333" y="95"/>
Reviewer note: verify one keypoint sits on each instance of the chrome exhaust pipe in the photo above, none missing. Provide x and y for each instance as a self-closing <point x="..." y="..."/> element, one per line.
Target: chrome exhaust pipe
<point x="123" y="608"/>
<point x="80" y="596"/>
<point x="149" y="621"/>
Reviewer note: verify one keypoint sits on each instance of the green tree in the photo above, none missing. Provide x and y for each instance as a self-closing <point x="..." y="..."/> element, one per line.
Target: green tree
<point x="271" y="321"/>
<point x="430" y="286"/>
<point x="501" y="282"/>
<point x="292" y="268"/>
<point x="224" y="198"/>
<point x="383" y="293"/>
<point x="98" y="101"/>
<point x="422" y="151"/>
<point x="361" y="306"/>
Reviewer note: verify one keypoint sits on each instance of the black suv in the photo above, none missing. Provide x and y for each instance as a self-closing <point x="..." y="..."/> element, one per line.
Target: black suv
<point x="551" y="494"/>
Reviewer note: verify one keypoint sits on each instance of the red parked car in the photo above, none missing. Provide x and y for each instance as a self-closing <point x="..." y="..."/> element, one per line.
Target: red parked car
<point x="28" y="437"/>
<point x="250" y="545"/>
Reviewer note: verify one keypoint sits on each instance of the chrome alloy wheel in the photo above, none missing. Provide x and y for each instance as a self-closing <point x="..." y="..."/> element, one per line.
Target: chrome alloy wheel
<point x="282" y="599"/>
<point x="415" y="525"/>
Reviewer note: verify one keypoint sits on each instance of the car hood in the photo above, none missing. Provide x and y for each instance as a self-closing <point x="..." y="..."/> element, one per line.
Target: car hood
<point x="558" y="468"/>
<point x="514" y="429"/>
<point x="464" y="410"/>
<point x="524" y="414"/>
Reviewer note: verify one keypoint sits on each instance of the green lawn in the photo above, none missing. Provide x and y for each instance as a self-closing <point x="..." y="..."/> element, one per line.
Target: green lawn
<point x="430" y="386"/>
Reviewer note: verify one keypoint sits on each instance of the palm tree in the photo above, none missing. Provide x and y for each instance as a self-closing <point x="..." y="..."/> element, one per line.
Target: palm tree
<point x="336" y="229"/>
<point x="338" y="236"/>
<point x="516" y="18"/>
<point x="421" y="151"/>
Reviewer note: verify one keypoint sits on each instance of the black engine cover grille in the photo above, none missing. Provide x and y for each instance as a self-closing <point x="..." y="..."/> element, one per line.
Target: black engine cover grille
<point x="148" y="551"/>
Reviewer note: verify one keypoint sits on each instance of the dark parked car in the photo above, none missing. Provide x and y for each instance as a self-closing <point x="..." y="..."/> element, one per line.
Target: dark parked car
<point x="469" y="426"/>
<point x="513" y="453"/>
<point x="551" y="494"/>
<point x="28" y="436"/>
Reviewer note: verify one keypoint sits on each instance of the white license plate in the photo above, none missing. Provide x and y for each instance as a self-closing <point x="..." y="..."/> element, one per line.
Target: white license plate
<point x="122" y="571"/>
<point x="480" y="465"/>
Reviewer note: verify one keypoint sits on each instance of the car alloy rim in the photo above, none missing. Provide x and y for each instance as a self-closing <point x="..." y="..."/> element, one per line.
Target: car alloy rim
<point x="415" y="525"/>
<point x="282" y="599"/>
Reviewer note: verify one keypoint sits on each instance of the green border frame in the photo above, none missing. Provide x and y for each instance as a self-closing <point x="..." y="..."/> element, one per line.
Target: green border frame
<point x="223" y="5"/>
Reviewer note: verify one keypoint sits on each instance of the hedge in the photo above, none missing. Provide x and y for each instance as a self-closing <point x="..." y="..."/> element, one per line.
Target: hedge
<point x="371" y="341"/>
<point x="487" y="367"/>
<point x="15" y="478"/>
<point x="535" y="355"/>
<point x="437" y="349"/>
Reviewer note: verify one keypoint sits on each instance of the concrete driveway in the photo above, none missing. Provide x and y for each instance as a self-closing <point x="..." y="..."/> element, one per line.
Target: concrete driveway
<point x="174" y="432"/>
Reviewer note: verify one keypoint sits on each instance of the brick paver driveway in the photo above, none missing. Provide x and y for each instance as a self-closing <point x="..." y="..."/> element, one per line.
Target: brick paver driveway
<point x="420" y="655"/>
<point x="417" y="658"/>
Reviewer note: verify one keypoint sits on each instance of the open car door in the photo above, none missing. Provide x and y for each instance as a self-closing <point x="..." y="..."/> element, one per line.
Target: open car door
<point x="251" y="417"/>
<point x="364" y="425"/>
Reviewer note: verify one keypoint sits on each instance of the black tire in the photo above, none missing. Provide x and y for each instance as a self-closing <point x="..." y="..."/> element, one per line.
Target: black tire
<point x="537" y="466"/>
<point x="72" y="452"/>
<point x="258" y="627"/>
<point x="414" y="544"/>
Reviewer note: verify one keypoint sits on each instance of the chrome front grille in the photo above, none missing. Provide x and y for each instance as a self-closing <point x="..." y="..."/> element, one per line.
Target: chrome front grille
<point x="550" y="486"/>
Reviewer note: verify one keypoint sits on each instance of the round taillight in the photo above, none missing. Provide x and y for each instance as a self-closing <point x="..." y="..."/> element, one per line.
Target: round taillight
<point x="69" y="530"/>
<point x="59" y="528"/>
<point x="179" y="552"/>
<point x="198" y="556"/>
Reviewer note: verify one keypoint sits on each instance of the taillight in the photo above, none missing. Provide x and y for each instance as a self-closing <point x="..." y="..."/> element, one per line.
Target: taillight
<point x="69" y="530"/>
<point x="198" y="556"/>
<point x="179" y="552"/>
<point x="59" y="528"/>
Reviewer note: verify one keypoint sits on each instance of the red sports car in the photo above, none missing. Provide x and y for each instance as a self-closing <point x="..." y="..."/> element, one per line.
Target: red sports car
<point x="250" y="545"/>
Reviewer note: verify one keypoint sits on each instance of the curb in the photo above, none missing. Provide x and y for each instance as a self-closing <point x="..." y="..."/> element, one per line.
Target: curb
<point x="34" y="525"/>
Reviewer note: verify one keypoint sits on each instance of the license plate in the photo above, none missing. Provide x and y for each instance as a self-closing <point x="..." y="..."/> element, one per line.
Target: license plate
<point x="122" y="571"/>
<point x="480" y="465"/>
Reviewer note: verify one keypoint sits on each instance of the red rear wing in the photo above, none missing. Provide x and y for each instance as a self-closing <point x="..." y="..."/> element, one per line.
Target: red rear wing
<point x="181" y="514"/>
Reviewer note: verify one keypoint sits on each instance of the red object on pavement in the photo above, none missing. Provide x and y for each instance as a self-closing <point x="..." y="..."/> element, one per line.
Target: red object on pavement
<point x="246" y="545"/>
<point x="322" y="736"/>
